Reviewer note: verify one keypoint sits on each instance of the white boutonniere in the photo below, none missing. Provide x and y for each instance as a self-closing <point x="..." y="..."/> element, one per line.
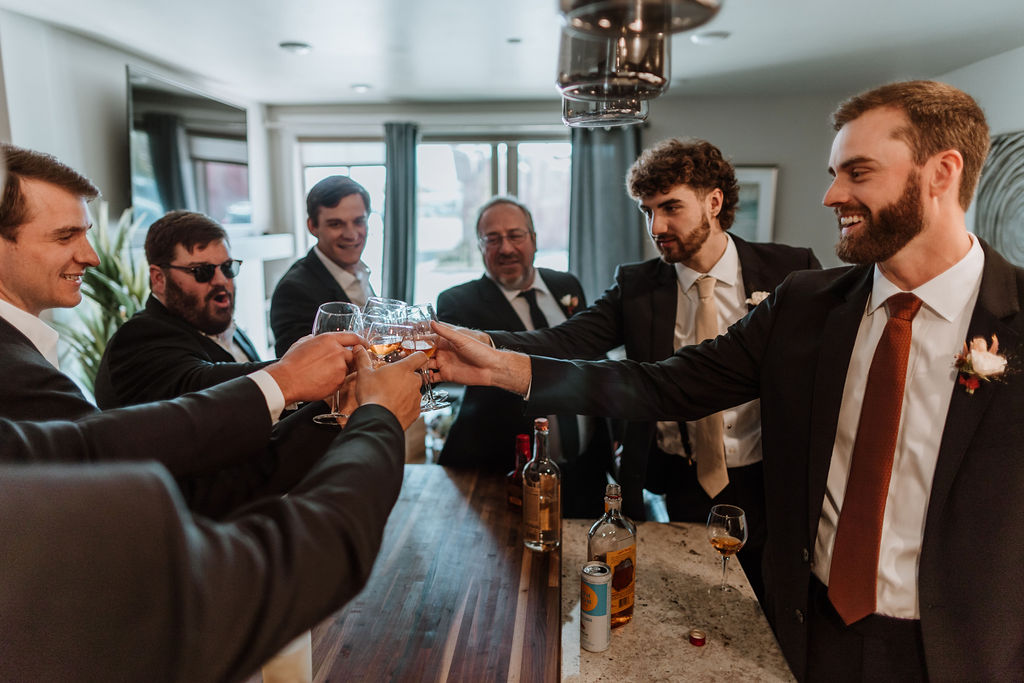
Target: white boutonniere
<point x="757" y="297"/>
<point x="979" y="362"/>
<point x="569" y="303"/>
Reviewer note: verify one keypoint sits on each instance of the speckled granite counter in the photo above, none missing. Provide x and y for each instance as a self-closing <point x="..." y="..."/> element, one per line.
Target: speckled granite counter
<point x="675" y="567"/>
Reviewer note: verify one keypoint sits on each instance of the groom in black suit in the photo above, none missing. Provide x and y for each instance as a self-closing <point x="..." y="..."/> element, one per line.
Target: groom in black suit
<point x="688" y="194"/>
<point x="514" y="295"/>
<point x="872" y="568"/>
<point x="185" y="339"/>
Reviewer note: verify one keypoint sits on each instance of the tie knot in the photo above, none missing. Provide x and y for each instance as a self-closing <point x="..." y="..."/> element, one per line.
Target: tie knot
<point x="705" y="286"/>
<point x="903" y="306"/>
<point x="529" y="294"/>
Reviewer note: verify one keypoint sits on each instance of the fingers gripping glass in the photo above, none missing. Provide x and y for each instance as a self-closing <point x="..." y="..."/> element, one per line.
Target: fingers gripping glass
<point x="424" y="339"/>
<point x="204" y="272"/>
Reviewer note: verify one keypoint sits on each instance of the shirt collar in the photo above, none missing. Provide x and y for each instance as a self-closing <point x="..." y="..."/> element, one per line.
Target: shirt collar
<point x="225" y="339"/>
<point x="538" y="284"/>
<point x="360" y="272"/>
<point x="947" y="294"/>
<point x="725" y="270"/>
<point x="42" y="336"/>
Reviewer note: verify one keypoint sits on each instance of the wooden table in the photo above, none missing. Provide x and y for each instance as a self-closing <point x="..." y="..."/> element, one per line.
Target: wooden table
<point x="453" y="595"/>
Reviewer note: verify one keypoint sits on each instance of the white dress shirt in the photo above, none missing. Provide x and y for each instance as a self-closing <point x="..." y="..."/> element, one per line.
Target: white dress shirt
<point x="355" y="282"/>
<point x="226" y="341"/>
<point x="742" y="424"/>
<point x="42" y="336"/>
<point x="938" y="334"/>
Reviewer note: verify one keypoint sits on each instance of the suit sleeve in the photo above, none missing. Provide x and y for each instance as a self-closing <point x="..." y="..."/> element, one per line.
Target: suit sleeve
<point x="292" y="310"/>
<point x="137" y="585"/>
<point x="147" y="360"/>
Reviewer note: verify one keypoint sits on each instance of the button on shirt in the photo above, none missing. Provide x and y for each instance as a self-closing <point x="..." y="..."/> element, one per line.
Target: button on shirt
<point x="938" y="333"/>
<point x="355" y="282"/>
<point x="742" y="438"/>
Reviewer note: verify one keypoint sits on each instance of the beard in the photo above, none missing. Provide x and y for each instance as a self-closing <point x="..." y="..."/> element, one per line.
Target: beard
<point x="197" y="313"/>
<point x="881" y="236"/>
<point x="683" y="249"/>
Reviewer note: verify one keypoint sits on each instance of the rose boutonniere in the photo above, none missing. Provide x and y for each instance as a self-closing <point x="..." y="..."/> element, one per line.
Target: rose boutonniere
<point x="569" y="303"/>
<point x="757" y="297"/>
<point x="979" y="362"/>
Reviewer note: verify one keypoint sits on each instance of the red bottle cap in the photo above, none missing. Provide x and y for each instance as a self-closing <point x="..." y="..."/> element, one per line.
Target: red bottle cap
<point x="697" y="637"/>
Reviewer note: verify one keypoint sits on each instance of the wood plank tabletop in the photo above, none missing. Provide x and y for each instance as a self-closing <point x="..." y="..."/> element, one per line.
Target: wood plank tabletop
<point x="454" y="595"/>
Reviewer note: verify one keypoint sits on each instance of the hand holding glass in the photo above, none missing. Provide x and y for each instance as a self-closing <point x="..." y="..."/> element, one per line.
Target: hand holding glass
<point x="727" y="531"/>
<point x="336" y="316"/>
<point x="425" y="340"/>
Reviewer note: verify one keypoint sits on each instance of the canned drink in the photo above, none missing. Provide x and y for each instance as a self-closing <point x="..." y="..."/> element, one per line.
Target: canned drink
<point x="595" y="606"/>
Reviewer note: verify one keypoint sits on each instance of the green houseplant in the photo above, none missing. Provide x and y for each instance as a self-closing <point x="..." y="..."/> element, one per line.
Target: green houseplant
<point x="112" y="292"/>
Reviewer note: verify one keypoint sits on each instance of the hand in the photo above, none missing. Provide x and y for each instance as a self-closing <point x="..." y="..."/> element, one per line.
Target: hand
<point x="463" y="359"/>
<point x="314" y="366"/>
<point x="395" y="386"/>
<point x="479" y="335"/>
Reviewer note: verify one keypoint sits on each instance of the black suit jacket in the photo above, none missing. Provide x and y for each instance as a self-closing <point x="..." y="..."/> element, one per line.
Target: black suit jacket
<point x="638" y="312"/>
<point x="35" y="390"/>
<point x="483" y="434"/>
<point x="298" y="294"/>
<point x="157" y="355"/>
<point x="107" y="577"/>
<point x="793" y="352"/>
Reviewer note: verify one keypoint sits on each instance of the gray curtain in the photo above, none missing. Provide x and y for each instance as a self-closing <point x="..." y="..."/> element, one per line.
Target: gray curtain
<point x="605" y="227"/>
<point x="400" y="210"/>
<point x="172" y="166"/>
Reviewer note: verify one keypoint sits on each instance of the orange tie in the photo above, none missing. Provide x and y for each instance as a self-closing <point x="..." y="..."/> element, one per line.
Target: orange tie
<point x="853" y="577"/>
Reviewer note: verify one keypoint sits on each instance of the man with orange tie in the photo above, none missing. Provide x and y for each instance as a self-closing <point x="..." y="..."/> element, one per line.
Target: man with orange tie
<point x="891" y="429"/>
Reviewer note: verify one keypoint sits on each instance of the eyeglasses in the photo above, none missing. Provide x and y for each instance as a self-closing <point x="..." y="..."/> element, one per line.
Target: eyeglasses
<point x="204" y="272"/>
<point x="515" y="237"/>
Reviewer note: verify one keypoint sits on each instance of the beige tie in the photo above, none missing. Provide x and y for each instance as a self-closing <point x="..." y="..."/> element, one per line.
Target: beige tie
<point x="708" y="432"/>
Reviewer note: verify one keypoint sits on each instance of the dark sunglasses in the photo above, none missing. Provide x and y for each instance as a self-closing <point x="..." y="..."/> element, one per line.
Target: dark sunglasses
<point x="204" y="272"/>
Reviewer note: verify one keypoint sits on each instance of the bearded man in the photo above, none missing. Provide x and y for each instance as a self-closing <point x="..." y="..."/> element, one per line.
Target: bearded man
<point x="185" y="339"/>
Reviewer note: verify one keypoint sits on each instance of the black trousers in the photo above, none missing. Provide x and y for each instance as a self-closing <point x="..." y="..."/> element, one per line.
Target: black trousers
<point x="687" y="501"/>
<point x="876" y="648"/>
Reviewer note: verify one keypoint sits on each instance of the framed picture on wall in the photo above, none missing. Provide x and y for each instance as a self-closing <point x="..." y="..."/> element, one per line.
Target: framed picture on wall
<point x="755" y="214"/>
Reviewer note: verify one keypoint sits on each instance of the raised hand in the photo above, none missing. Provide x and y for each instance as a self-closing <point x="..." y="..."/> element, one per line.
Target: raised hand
<point x="395" y="386"/>
<point x="463" y="359"/>
<point x="314" y="366"/>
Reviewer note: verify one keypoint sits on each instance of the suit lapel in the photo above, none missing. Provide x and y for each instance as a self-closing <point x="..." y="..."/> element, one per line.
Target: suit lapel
<point x="998" y="301"/>
<point x="493" y="299"/>
<point x="248" y="348"/>
<point x="663" y="306"/>
<point x="838" y="335"/>
<point x="324" y="276"/>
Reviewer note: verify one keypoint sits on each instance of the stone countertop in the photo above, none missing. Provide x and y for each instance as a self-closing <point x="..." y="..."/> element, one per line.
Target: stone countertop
<point x="675" y="567"/>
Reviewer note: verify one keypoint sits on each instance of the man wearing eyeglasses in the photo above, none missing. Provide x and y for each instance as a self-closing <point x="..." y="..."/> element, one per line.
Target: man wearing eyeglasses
<point x="514" y="295"/>
<point x="185" y="339"/>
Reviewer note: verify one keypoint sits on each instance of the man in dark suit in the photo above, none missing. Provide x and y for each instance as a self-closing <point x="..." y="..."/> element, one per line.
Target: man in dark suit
<point x="185" y="339"/>
<point x="514" y="295"/>
<point x="886" y="455"/>
<point x="688" y="194"/>
<point x="107" y="576"/>
<point x="337" y="208"/>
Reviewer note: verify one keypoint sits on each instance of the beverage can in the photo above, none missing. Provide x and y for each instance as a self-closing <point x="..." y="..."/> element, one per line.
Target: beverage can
<point x="595" y="606"/>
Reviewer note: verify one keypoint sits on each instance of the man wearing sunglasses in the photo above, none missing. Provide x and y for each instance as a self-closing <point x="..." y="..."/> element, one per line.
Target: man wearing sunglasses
<point x="185" y="339"/>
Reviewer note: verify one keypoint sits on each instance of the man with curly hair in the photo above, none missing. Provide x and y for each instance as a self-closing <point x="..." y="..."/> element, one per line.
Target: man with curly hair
<point x="688" y="194"/>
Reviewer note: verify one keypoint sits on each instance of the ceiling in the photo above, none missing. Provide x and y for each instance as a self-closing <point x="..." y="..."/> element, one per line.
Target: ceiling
<point x="479" y="50"/>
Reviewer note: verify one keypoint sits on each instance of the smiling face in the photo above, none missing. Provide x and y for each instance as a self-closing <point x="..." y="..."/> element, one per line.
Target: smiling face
<point x="43" y="267"/>
<point x="680" y="221"/>
<point x="507" y="245"/>
<point x="207" y="306"/>
<point x="340" y="230"/>
<point x="876" y="191"/>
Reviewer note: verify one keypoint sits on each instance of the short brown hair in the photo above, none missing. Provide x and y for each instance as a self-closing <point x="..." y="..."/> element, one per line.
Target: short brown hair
<point x="692" y="162"/>
<point x="187" y="228"/>
<point x="511" y="201"/>
<point x="329" y="192"/>
<point x="31" y="165"/>
<point x="941" y="117"/>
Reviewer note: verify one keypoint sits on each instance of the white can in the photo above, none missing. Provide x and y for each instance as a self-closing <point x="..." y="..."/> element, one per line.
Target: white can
<point x="595" y="606"/>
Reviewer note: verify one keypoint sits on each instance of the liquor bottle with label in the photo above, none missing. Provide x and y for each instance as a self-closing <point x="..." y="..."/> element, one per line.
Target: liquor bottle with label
<point x="542" y="494"/>
<point x="612" y="540"/>
<point x="514" y="479"/>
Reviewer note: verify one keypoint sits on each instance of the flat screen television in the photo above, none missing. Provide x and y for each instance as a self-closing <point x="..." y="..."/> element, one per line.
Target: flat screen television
<point x="188" y="151"/>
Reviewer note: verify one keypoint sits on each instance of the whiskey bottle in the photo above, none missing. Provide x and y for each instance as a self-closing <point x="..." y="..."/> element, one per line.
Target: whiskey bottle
<point x="514" y="479"/>
<point x="612" y="540"/>
<point x="542" y="494"/>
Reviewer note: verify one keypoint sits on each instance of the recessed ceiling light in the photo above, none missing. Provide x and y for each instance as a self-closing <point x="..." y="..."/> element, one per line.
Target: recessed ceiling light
<point x="361" y="87"/>
<point x="513" y="41"/>
<point x="709" y="37"/>
<point x="295" y="47"/>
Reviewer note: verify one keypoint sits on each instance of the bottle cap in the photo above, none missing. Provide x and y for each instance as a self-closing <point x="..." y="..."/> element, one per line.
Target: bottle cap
<point x="523" y="441"/>
<point x="697" y="637"/>
<point x="541" y="424"/>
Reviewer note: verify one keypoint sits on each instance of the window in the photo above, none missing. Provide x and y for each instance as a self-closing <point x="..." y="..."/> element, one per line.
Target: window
<point x="455" y="177"/>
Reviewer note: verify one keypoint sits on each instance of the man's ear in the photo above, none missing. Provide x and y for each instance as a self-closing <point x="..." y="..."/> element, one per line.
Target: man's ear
<point x="311" y="226"/>
<point x="157" y="281"/>
<point x="713" y="201"/>
<point x="945" y="173"/>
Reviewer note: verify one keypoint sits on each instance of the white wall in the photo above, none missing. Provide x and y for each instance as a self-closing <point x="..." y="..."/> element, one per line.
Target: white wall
<point x="995" y="84"/>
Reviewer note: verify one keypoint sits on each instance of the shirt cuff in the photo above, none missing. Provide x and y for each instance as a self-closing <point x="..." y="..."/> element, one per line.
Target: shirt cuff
<point x="271" y="392"/>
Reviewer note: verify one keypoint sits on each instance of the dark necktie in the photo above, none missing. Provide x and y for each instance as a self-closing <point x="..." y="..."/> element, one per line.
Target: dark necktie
<point x="853" y="577"/>
<point x="568" y="428"/>
<point x="536" y="315"/>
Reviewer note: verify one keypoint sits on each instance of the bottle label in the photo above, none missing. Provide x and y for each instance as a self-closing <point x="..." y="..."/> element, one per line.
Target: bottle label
<point x="623" y="564"/>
